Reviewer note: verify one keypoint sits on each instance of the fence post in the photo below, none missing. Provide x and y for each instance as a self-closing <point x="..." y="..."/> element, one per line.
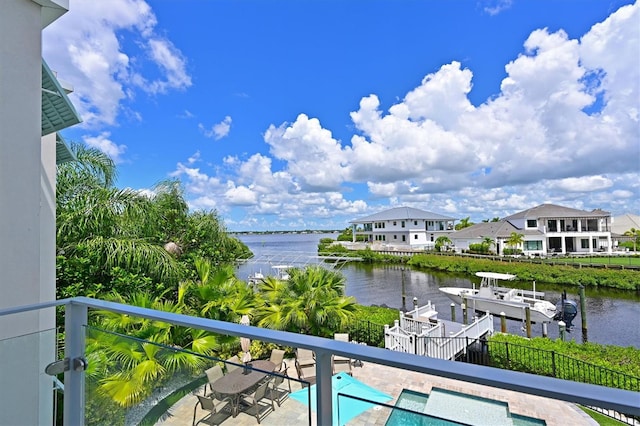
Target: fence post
<point x="553" y="362"/>
<point x="562" y="328"/>
<point x="453" y="312"/>
<point x="464" y="310"/>
<point x="506" y="349"/>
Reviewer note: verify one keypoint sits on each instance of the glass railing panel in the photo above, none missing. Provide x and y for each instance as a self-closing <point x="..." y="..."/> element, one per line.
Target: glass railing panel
<point x="27" y="394"/>
<point x="134" y="381"/>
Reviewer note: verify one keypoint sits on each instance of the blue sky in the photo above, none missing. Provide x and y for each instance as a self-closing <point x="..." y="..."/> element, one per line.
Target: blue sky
<point x="290" y="115"/>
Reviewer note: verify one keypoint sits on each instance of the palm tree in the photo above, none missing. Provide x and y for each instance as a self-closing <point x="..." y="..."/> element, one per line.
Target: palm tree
<point x="132" y="355"/>
<point x="464" y="223"/>
<point x="635" y="234"/>
<point x="108" y="226"/>
<point x="442" y="240"/>
<point x="311" y="301"/>
<point x="514" y="240"/>
<point x="488" y="242"/>
<point x="218" y="294"/>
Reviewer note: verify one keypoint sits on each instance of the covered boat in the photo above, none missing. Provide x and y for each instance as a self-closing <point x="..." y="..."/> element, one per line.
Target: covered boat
<point x="495" y="300"/>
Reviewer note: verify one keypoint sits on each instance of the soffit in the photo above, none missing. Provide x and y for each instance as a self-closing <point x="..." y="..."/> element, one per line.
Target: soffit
<point x="57" y="110"/>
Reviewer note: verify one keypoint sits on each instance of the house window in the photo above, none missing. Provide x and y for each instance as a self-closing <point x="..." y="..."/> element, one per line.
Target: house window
<point x="533" y="245"/>
<point x="552" y="225"/>
<point x="415" y="237"/>
<point x="415" y="222"/>
<point x="395" y="237"/>
<point x="404" y="238"/>
<point x="584" y="243"/>
<point x="532" y="223"/>
<point x="394" y="223"/>
<point x="402" y="223"/>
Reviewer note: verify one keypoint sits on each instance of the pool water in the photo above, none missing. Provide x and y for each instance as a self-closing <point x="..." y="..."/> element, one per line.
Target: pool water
<point x="444" y="407"/>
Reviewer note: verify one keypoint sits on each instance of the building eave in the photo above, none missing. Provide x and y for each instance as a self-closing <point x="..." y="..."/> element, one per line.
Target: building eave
<point x="57" y="110"/>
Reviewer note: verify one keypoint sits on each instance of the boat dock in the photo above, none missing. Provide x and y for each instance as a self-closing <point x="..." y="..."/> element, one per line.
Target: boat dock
<point x="420" y="332"/>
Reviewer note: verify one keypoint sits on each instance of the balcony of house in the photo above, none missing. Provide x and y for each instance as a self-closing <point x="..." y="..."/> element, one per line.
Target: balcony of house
<point x="577" y="225"/>
<point x="438" y="226"/>
<point x="111" y="378"/>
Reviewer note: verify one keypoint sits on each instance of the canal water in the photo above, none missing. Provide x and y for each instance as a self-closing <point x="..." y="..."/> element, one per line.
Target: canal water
<point x="613" y="317"/>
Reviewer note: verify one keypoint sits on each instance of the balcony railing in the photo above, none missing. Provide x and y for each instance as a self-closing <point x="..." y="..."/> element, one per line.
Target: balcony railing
<point x="76" y="321"/>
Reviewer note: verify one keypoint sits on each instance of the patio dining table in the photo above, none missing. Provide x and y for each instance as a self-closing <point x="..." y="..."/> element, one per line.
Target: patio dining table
<point x="241" y="380"/>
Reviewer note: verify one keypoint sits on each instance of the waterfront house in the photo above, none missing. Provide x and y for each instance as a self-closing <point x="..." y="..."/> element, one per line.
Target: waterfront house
<point x="33" y="108"/>
<point x="622" y="224"/>
<point x="403" y="226"/>
<point x="547" y="229"/>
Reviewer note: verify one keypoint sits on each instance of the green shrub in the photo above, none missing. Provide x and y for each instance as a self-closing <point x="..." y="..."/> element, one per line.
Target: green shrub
<point x="605" y="365"/>
<point x="529" y="271"/>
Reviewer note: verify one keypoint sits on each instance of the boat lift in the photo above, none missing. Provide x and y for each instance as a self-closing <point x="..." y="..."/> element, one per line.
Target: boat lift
<point x="298" y="259"/>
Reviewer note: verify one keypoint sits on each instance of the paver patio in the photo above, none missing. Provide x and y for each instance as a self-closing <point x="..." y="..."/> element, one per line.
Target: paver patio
<point x="392" y="381"/>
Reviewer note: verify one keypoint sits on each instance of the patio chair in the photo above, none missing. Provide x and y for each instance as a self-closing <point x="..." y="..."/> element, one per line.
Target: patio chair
<point x="217" y="410"/>
<point x="256" y="404"/>
<point x="305" y="357"/>
<point x="213" y="374"/>
<point x="343" y="337"/>
<point x="306" y="372"/>
<point x="277" y="357"/>
<point x="278" y="392"/>
<point x="340" y="363"/>
<point x="232" y="363"/>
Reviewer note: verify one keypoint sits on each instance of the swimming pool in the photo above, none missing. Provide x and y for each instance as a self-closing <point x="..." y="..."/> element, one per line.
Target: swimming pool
<point x="443" y="407"/>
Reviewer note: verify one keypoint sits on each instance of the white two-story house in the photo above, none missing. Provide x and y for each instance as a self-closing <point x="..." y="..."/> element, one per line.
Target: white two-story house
<point x="403" y="226"/>
<point x="546" y="229"/>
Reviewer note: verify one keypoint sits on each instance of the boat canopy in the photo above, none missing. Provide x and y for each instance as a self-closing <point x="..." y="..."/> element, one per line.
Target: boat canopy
<point x="496" y="276"/>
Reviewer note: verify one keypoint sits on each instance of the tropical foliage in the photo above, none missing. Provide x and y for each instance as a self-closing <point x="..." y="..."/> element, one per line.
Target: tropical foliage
<point x="106" y="234"/>
<point x="635" y="238"/>
<point x="464" y="223"/>
<point x="528" y="271"/>
<point x="442" y="242"/>
<point x="311" y="301"/>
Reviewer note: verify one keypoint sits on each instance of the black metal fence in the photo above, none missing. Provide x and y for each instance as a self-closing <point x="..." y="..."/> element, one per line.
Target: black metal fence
<point x="365" y="332"/>
<point x="550" y="363"/>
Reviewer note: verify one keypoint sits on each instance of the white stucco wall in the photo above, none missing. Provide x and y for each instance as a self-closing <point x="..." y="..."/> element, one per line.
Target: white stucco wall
<point x="27" y="215"/>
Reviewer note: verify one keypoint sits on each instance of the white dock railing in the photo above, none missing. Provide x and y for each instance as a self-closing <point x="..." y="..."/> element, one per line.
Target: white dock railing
<point x="427" y="338"/>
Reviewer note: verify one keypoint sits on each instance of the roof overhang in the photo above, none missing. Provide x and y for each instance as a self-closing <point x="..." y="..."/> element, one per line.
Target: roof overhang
<point x="63" y="152"/>
<point x="57" y="110"/>
<point x="52" y="10"/>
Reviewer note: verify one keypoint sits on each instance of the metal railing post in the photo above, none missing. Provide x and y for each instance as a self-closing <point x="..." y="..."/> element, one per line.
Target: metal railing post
<point x="75" y="321"/>
<point x="324" y="399"/>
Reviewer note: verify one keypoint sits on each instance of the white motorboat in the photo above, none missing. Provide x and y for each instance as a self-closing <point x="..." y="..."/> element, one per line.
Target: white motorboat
<point x="255" y="278"/>
<point x="495" y="300"/>
<point x="281" y="271"/>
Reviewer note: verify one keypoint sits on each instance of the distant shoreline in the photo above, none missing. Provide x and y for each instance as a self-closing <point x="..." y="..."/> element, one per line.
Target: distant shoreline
<point x="315" y="231"/>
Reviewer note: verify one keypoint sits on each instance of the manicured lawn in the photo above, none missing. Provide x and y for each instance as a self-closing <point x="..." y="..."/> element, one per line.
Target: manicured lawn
<point x="599" y="260"/>
<point x="600" y="418"/>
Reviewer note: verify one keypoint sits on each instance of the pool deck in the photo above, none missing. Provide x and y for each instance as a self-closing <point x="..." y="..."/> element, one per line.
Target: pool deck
<point x="392" y="381"/>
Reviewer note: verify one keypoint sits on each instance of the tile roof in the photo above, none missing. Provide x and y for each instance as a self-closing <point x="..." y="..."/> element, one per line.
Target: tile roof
<point x="555" y="211"/>
<point x="402" y="213"/>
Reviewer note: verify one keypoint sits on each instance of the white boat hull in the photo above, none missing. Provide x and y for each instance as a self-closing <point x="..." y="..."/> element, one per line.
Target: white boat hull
<point x="540" y="311"/>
